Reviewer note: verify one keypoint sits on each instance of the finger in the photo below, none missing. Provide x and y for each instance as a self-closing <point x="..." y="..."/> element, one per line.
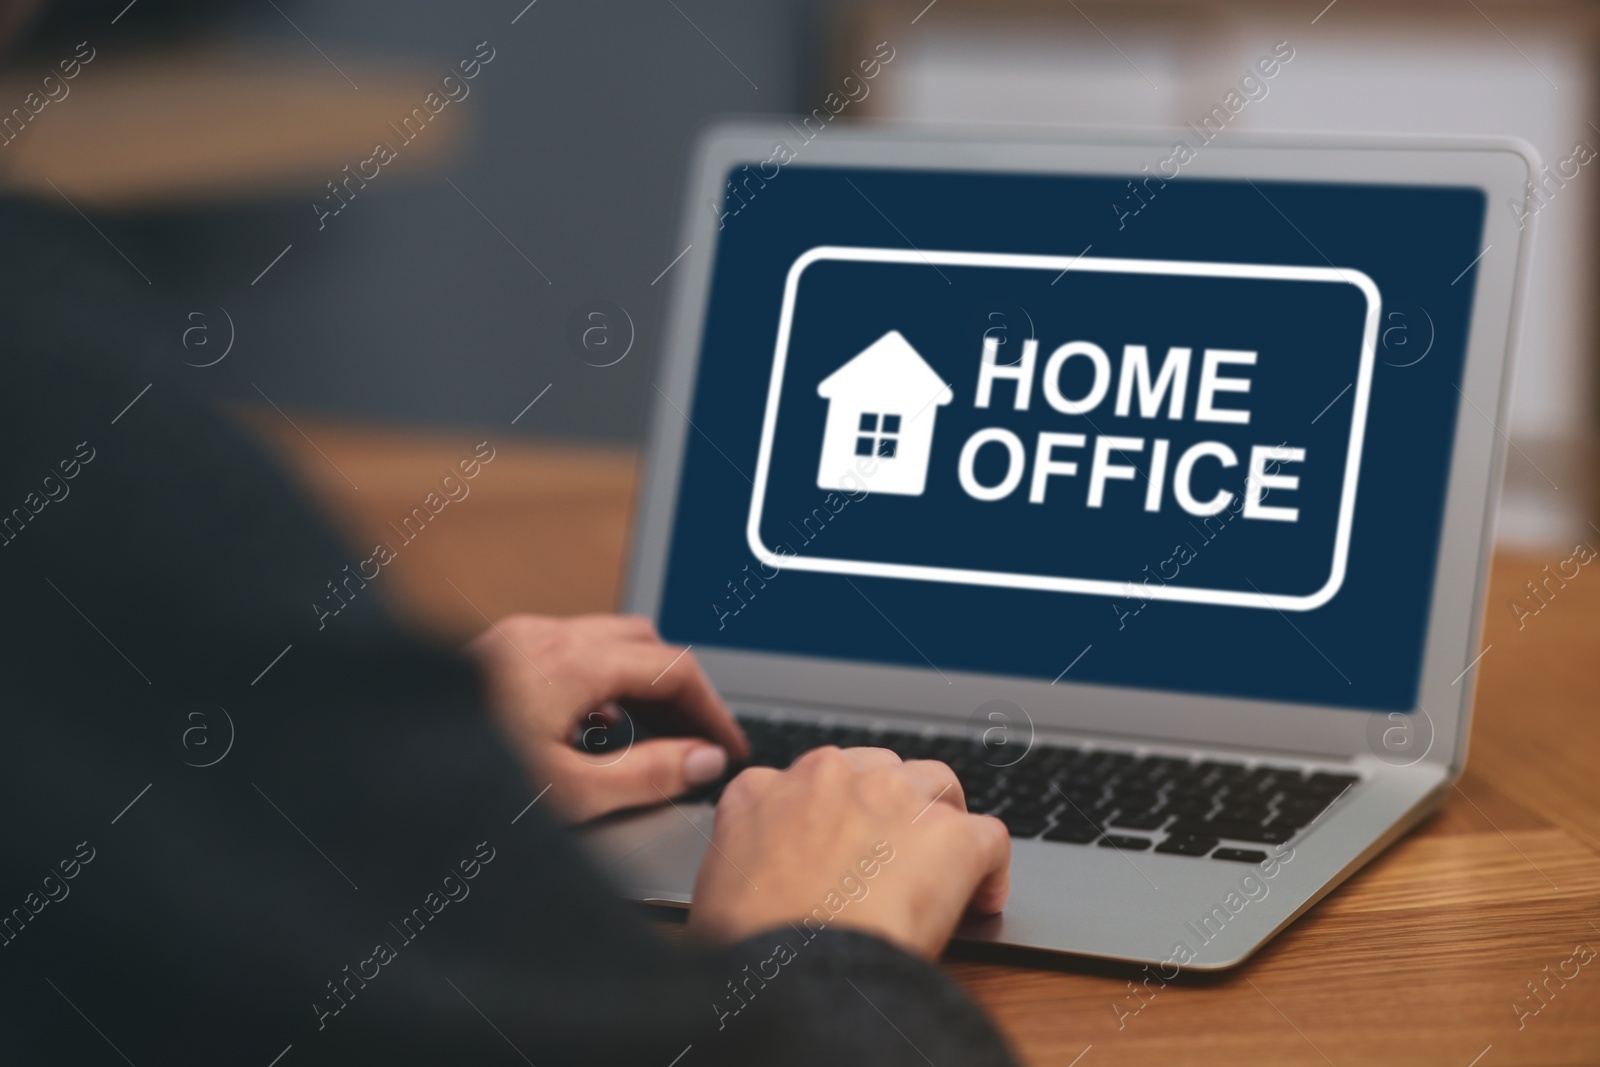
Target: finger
<point x="745" y="791"/>
<point x="749" y="783"/>
<point x="992" y="851"/>
<point x="647" y="773"/>
<point x="622" y="627"/>
<point x="660" y="672"/>
<point x="863" y="757"/>
<point x="937" y="782"/>
<point x="856" y="759"/>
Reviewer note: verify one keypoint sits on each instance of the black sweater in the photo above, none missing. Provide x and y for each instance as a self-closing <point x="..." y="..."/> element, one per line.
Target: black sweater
<point x="208" y="860"/>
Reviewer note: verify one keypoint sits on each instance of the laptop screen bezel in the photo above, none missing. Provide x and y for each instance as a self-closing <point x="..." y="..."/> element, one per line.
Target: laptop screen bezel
<point x="1501" y="168"/>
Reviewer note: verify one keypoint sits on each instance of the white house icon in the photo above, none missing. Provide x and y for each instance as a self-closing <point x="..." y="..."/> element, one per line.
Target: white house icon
<point x="882" y="403"/>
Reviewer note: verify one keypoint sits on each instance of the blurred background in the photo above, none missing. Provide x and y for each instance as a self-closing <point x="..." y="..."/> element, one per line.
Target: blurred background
<point x="214" y="144"/>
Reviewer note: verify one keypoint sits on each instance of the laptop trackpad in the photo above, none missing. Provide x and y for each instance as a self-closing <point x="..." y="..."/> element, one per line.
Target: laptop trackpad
<point x="653" y="855"/>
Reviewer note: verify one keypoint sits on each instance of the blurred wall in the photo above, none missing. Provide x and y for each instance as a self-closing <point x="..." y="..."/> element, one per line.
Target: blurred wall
<point x="412" y="303"/>
<point x="1525" y="70"/>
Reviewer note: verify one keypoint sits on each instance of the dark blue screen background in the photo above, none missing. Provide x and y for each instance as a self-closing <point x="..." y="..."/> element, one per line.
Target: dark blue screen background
<point x="1362" y="649"/>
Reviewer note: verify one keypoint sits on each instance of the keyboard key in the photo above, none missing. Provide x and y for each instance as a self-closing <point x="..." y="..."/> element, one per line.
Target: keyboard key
<point x="1186" y="777"/>
<point x="1191" y="810"/>
<point x="1033" y="771"/>
<point x="1239" y="855"/>
<point x="1300" y="812"/>
<point x="1239" y="812"/>
<point x="1142" y="820"/>
<point x="1275" y="779"/>
<point x="1325" y="783"/>
<point x="950" y="747"/>
<point x="1166" y="766"/>
<point x="1058" y="757"/>
<point x="1187" y="846"/>
<point x="971" y="780"/>
<point x="986" y="805"/>
<point x="1095" y="813"/>
<point x="1030" y="826"/>
<point x="1073" y="831"/>
<point x="852" y="737"/>
<point x="1265" y="835"/>
<point x="1105" y="765"/>
<point x="1127" y="844"/>
<point x="897" y="741"/>
<point x="1025" y="807"/>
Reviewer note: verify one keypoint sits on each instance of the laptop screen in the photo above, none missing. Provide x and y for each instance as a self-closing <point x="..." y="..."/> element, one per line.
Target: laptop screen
<point x="1189" y="435"/>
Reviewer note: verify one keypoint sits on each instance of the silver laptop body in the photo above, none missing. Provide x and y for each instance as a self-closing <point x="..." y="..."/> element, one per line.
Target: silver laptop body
<point x="1144" y="907"/>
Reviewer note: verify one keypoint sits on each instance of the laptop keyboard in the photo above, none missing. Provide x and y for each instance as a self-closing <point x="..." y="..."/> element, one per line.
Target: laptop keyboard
<point x="1100" y="797"/>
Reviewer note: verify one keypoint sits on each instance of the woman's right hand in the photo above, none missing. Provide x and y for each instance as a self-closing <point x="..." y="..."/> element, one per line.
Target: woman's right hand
<point x="853" y="838"/>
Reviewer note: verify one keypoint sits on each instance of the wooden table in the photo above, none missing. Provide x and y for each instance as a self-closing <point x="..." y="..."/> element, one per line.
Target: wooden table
<point x="1419" y="959"/>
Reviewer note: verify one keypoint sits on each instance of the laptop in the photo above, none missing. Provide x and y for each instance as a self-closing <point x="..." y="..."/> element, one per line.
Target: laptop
<point x="1149" y="483"/>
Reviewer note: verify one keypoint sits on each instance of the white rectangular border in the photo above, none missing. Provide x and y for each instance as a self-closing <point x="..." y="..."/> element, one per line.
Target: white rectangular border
<point x="1050" y="583"/>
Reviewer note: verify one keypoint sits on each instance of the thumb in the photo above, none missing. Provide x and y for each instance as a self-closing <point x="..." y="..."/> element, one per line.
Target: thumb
<point x="647" y="772"/>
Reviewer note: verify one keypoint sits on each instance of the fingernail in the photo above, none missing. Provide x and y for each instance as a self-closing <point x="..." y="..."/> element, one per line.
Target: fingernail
<point x="705" y="764"/>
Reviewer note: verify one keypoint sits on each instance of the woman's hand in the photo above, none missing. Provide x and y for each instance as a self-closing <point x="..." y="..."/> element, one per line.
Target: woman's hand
<point x="850" y="837"/>
<point x="547" y="678"/>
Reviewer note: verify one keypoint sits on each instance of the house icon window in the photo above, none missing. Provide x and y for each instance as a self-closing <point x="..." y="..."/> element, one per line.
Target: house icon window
<point x="880" y="435"/>
<point x="881" y="404"/>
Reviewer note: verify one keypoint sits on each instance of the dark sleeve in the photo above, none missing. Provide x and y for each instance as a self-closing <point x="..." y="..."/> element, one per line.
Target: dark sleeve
<point x="240" y="828"/>
<point x="845" y="997"/>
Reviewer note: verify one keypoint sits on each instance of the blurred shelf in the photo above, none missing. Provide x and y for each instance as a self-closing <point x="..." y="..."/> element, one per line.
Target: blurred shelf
<point x="206" y="124"/>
